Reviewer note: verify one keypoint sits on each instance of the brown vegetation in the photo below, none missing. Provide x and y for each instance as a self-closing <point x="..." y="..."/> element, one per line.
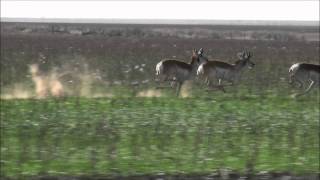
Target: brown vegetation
<point x="121" y="55"/>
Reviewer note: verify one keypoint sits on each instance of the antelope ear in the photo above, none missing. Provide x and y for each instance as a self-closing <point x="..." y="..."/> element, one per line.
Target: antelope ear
<point x="194" y="52"/>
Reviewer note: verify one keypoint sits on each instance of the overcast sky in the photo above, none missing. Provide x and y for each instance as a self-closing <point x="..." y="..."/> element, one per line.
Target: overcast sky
<point x="175" y="10"/>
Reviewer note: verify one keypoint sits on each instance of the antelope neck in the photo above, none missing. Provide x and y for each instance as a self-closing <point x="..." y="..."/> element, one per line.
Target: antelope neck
<point x="239" y="64"/>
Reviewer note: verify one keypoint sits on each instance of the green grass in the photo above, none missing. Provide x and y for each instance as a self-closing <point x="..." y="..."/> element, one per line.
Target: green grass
<point x="151" y="135"/>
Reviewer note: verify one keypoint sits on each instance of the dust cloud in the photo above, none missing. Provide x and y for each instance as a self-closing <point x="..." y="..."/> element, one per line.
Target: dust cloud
<point x="46" y="84"/>
<point x="70" y="79"/>
<point x="150" y="93"/>
<point x="74" y="78"/>
<point x="186" y="89"/>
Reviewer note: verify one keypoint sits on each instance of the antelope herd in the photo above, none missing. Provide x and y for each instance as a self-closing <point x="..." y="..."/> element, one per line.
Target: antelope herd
<point x="218" y="74"/>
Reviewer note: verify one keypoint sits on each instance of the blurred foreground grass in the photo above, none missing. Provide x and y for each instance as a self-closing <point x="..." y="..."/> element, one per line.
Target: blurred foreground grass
<point x="150" y="135"/>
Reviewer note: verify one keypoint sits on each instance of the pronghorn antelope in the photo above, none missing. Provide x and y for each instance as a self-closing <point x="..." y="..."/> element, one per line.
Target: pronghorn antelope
<point x="304" y="74"/>
<point x="222" y="71"/>
<point x="177" y="71"/>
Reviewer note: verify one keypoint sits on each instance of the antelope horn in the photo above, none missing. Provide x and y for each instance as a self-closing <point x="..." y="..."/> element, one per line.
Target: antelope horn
<point x="245" y="54"/>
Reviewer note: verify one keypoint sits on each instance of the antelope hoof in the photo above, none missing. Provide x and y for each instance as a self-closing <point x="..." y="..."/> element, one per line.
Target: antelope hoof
<point x="223" y="90"/>
<point x="220" y="87"/>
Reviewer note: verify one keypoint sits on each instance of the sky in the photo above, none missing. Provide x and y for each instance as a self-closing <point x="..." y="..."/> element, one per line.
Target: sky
<point x="174" y="10"/>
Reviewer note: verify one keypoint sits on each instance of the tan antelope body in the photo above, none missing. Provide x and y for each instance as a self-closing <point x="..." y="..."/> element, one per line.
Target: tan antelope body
<point x="304" y="74"/>
<point x="222" y="71"/>
<point x="177" y="71"/>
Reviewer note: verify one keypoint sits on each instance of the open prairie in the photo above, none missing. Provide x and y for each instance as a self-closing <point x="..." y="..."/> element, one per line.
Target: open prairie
<point x="81" y="99"/>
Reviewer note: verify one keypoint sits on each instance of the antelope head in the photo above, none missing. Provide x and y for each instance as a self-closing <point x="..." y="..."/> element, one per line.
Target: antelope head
<point x="244" y="59"/>
<point x="200" y="57"/>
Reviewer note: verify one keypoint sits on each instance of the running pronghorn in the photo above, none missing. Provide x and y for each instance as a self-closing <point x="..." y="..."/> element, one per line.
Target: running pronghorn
<point x="177" y="72"/>
<point x="304" y="74"/>
<point x="222" y="71"/>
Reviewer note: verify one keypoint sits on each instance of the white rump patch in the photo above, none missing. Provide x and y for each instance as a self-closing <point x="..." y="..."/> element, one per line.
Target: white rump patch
<point x="159" y="68"/>
<point x="294" y="68"/>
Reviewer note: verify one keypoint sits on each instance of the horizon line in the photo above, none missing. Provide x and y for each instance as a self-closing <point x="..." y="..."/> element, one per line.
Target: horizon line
<point x="161" y="21"/>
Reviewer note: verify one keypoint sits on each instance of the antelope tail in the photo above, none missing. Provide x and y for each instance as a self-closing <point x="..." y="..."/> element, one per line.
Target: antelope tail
<point x="159" y="68"/>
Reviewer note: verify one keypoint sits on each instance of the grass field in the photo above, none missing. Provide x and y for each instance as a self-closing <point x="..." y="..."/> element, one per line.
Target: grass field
<point x="152" y="135"/>
<point x="80" y="99"/>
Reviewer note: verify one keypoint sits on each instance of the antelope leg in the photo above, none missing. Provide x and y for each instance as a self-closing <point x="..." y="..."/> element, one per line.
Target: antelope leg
<point x="222" y="89"/>
<point x="163" y="86"/>
<point x="212" y="87"/>
<point x="227" y="84"/>
<point x="300" y="84"/>
<point x="310" y="86"/>
<point x="295" y="81"/>
<point x="207" y="81"/>
<point x="216" y="87"/>
<point x="172" y="81"/>
<point x="308" y="89"/>
<point x="178" y="88"/>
